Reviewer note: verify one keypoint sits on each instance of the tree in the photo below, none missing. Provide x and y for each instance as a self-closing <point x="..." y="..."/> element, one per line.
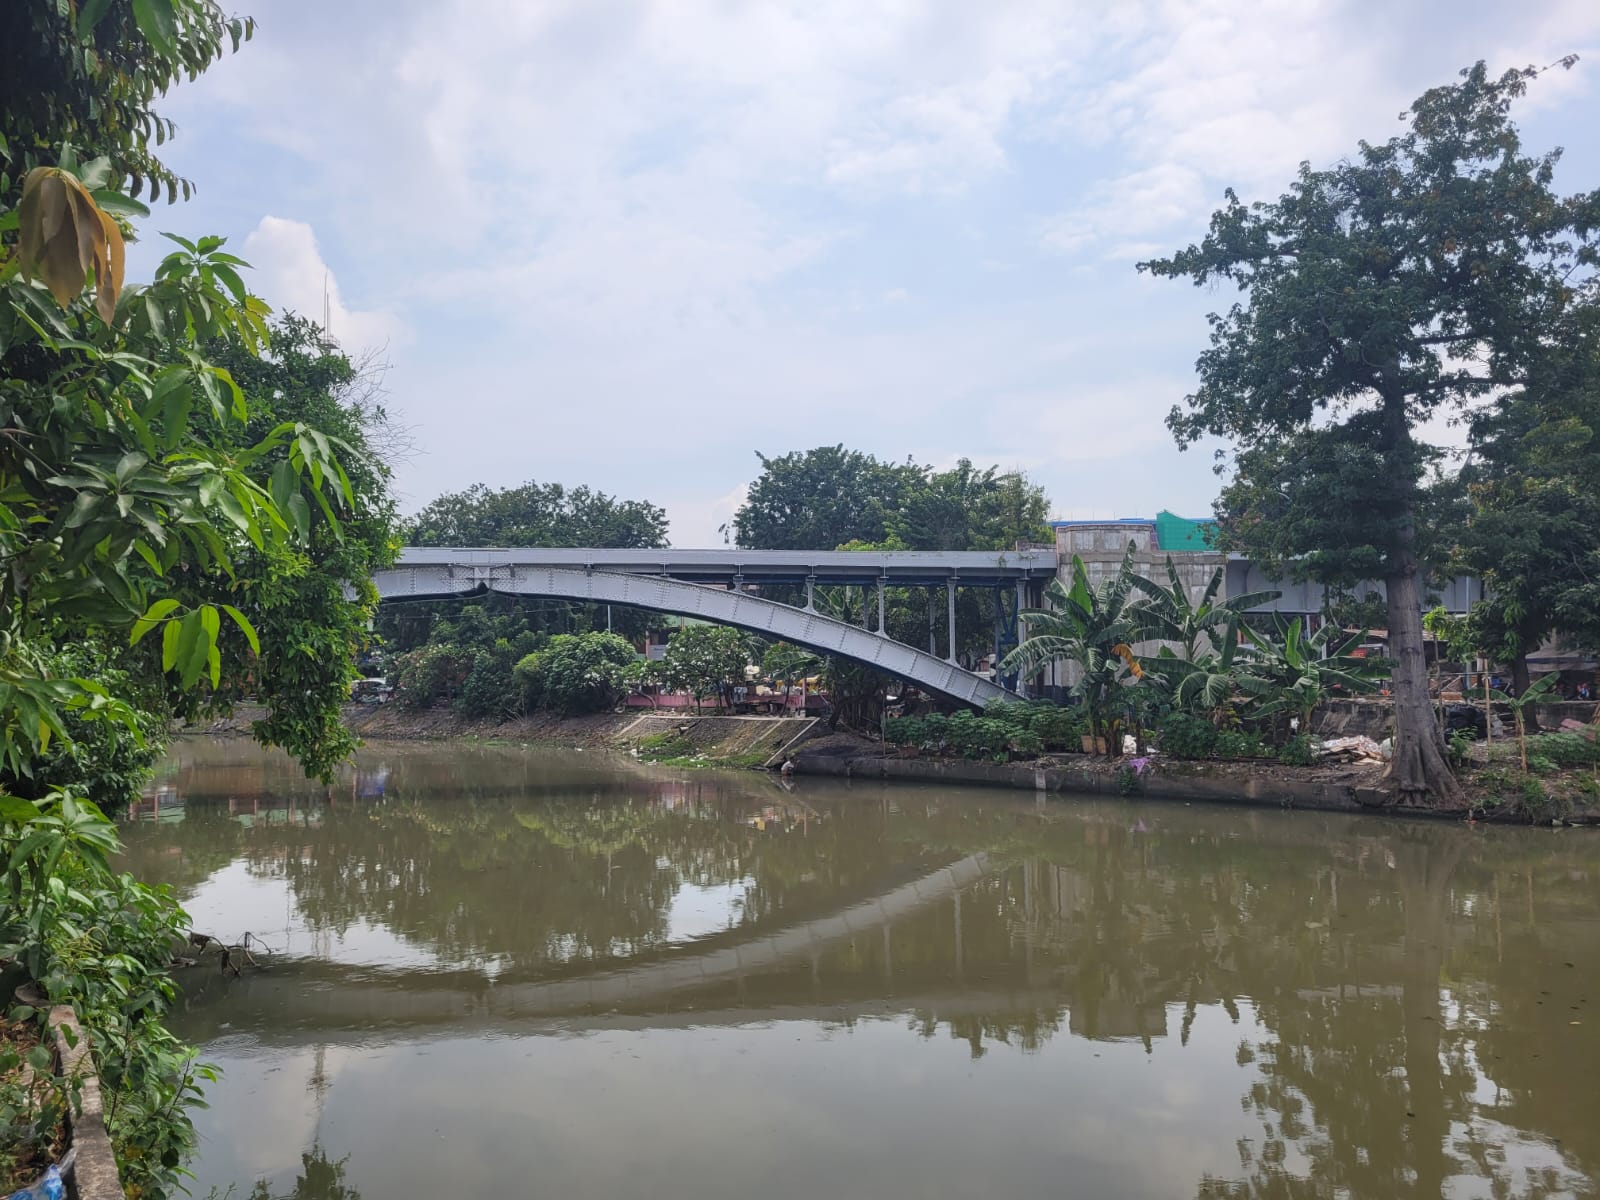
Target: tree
<point x="87" y="74"/>
<point x="705" y="660"/>
<point x="538" y="514"/>
<point x="968" y="509"/>
<point x="1531" y="526"/>
<point x="313" y="629"/>
<point x="1413" y="280"/>
<point x="820" y="499"/>
<point x="133" y="501"/>
<point x="1092" y="627"/>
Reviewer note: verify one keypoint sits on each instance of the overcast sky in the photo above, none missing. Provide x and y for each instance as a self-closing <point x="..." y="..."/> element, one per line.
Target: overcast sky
<point x="630" y="244"/>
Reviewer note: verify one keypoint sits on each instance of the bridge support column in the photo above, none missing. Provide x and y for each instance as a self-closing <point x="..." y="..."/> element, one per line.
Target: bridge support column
<point x="950" y="594"/>
<point x="1022" y="635"/>
<point x="881" y="628"/>
<point x="811" y="593"/>
<point x="933" y="647"/>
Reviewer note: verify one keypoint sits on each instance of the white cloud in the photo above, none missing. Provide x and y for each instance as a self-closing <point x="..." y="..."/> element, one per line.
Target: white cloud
<point x="291" y="275"/>
<point x="637" y="241"/>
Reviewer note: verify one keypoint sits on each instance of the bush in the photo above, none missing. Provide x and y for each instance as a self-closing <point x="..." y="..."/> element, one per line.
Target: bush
<point x="576" y="673"/>
<point x="1564" y="749"/>
<point x="1298" y="751"/>
<point x="1184" y="735"/>
<point x="1026" y="741"/>
<point x="1236" y="743"/>
<point x="490" y="688"/>
<point x="431" y="675"/>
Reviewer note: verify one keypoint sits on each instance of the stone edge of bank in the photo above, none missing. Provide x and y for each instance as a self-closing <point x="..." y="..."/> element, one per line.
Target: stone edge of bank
<point x="94" y="1171"/>
<point x="1189" y="782"/>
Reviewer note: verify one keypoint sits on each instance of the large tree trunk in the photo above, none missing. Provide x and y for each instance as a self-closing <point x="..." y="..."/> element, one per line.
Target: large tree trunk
<point x="1418" y="769"/>
<point x="1519" y="684"/>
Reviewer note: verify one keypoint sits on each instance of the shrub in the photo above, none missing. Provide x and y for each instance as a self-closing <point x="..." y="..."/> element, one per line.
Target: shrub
<point x="490" y="688"/>
<point x="1026" y="741"/>
<point x="1297" y="751"/>
<point x="1564" y="749"/>
<point x="1236" y="743"/>
<point x="431" y="675"/>
<point x="1184" y="735"/>
<point x="1061" y="728"/>
<point x="576" y="673"/>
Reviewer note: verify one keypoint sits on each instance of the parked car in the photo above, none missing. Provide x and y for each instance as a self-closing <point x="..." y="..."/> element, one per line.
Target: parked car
<point x="371" y="691"/>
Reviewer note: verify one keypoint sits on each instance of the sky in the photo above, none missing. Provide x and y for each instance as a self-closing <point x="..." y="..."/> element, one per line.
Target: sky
<point x="631" y="245"/>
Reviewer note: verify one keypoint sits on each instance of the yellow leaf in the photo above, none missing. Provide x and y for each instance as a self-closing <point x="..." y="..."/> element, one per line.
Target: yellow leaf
<point x="109" y="282"/>
<point x="63" y="235"/>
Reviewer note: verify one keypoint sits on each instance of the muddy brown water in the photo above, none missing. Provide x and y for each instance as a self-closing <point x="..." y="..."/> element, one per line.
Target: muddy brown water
<point x="503" y="972"/>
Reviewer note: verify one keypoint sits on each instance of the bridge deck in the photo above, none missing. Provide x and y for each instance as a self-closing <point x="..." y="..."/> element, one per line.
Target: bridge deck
<point x="897" y="568"/>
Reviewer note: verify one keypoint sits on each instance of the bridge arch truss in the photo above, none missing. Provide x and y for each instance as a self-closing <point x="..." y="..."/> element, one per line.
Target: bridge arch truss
<point x="724" y="606"/>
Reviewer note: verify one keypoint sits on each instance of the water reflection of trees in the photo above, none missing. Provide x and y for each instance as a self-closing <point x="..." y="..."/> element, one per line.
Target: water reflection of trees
<point x="1384" y="980"/>
<point x="320" y="1178"/>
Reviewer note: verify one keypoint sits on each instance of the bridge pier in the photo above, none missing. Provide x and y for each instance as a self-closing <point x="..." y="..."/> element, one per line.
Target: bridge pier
<point x="811" y="593"/>
<point x="950" y="590"/>
<point x="882" y="630"/>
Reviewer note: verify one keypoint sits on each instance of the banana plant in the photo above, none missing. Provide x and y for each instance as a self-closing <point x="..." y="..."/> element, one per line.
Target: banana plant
<point x="1091" y="627"/>
<point x="1537" y="692"/>
<point x="1300" y="672"/>
<point x="1199" y="627"/>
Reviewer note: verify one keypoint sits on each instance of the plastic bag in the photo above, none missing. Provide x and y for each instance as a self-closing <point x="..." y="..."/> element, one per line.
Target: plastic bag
<point x="49" y="1187"/>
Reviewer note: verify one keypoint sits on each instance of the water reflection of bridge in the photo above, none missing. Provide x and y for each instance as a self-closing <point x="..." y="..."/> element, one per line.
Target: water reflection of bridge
<point x="320" y="992"/>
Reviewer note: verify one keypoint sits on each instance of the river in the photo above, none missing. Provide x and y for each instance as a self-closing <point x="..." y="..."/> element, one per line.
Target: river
<point x="518" y="972"/>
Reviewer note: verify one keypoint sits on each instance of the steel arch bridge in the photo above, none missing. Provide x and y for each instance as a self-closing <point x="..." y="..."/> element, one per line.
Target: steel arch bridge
<point x="711" y="585"/>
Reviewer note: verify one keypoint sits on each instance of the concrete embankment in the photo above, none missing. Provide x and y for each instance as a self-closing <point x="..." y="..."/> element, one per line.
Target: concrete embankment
<point x="715" y="740"/>
<point x="1327" y="789"/>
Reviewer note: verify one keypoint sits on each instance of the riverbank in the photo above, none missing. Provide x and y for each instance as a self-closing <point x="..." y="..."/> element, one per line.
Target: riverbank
<point x="1491" y="797"/>
<point x="1494" y="792"/>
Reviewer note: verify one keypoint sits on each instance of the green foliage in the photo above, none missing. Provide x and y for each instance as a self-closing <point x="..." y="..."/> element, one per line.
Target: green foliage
<point x="538" y="514"/>
<point x="33" y="1111"/>
<point x="580" y="673"/>
<point x="431" y="675"/>
<point x="1459" y="744"/>
<point x="1298" y="751"/>
<point x="1565" y="750"/>
<point x="491" y="688"/>
<point x="1025" y="728"/>
<point x="89" y="74"/>
<point x="1411" y="280"/>
<point x="1186" y="735"/>
<point x="1200" y="627"/>
<point x="705" y="660"/>
<point x="1295" y="674"/>
<point x="99" y="758"/>
<point x="662" y="747"/>
<point x="1537" y="693"/>
<point x="1091" y="627"/>
<point x="158" y="477"/>
<point x="311" y="609"/>
<point x="1529" y="515"/>
<point x="101" y="942"/>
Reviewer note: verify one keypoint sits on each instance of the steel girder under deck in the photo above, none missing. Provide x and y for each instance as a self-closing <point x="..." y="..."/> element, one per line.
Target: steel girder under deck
<point x="769" y="618"/>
